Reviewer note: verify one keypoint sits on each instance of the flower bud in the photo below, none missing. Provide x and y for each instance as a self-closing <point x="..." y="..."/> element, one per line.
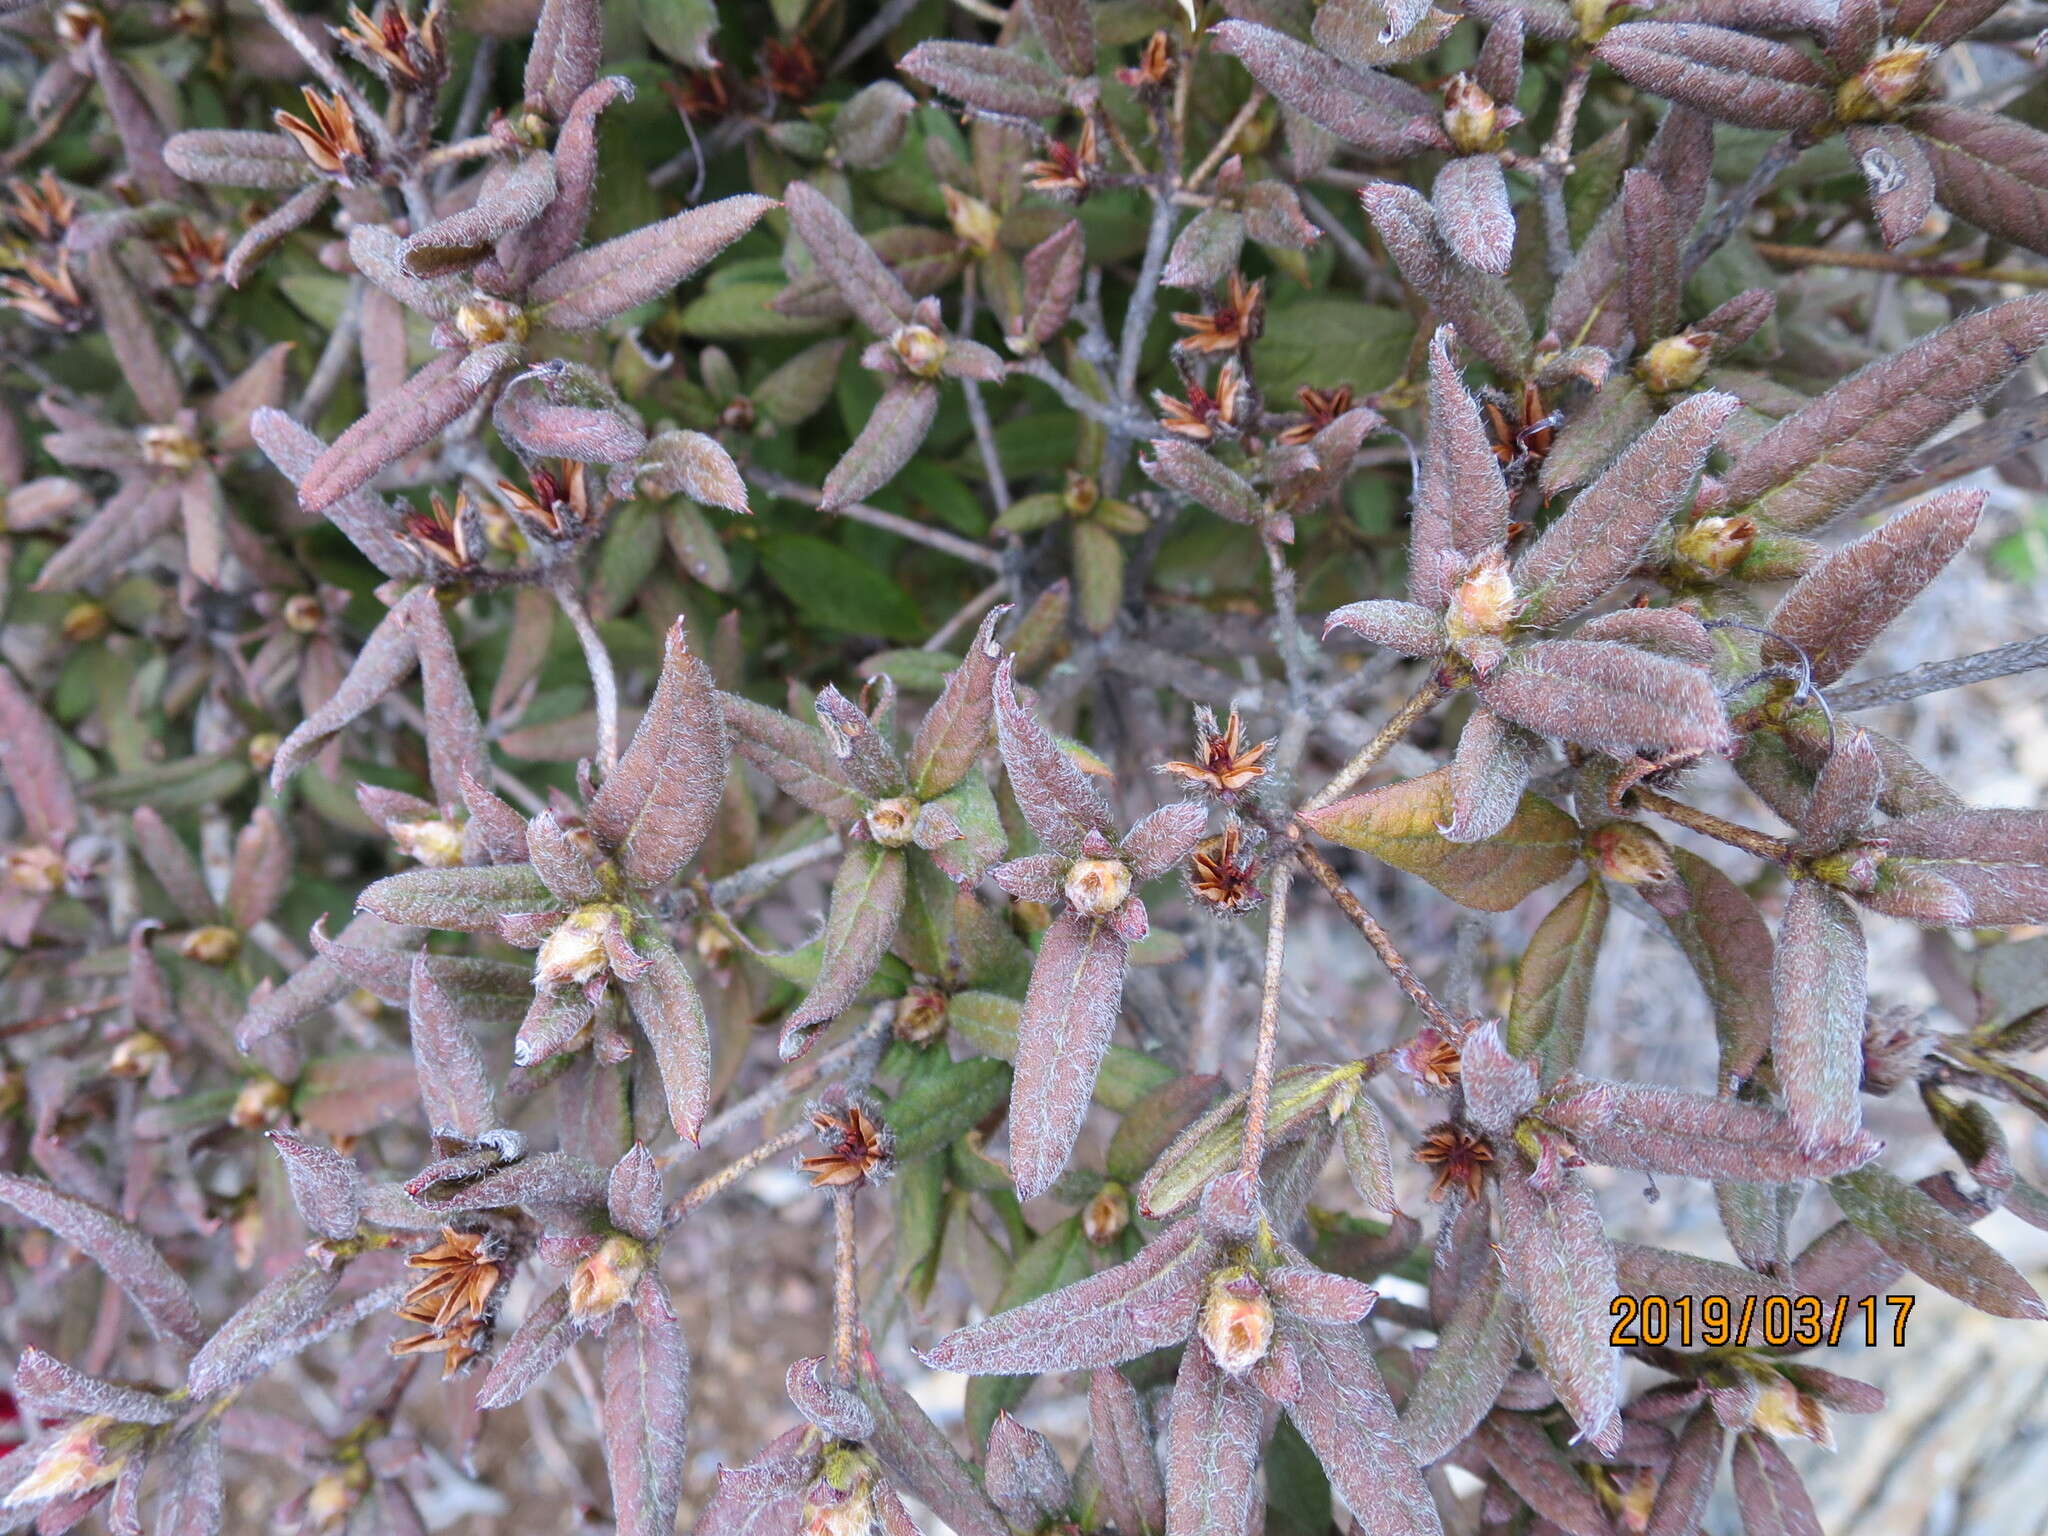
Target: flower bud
<point x="890" y="822"/>
<point x="211" y="945"/>
<point x="1236" y="1323"/>
<point x="168" y="447"/>
<point x="1104" y="1218"/>
<point x="85" y="622"/>
<point x="921" y="1015"/>
<point x="304" y="614"/>
<point x="575" y="952"/>
<point x="841" y="1500"/>
<point x="977" y="224"/>
<point x="1471" y="116"/>
<point x="1895" y="1041"/>
<point x="1594" y="17"/>
<point x="603" y="1281"/>
<point x="1631" y="855"/>
<point x="334" y="1496"/>
<point x="137" y="1055"/>
<point x="714" y="945"/>
<point x="1485" y="603"/>
<point x="1676" y="362"/>
<point x="485" y="320"/>
<point x="920" y="349"/>
<point x="87" y="1455"/>
<point x="35" y="869"/>
<point x="260" y="1104"/>
<point x="261" y="750"/>
<point x="1097" y="887"/>
<point x="1897" y="72"/>
<point x="1711" y="547"/>
<point x="433" y="841"/>
<point x="1081" y="494"/>
<point x="1784" y="1412"/>
<point x="1854" y="868"/>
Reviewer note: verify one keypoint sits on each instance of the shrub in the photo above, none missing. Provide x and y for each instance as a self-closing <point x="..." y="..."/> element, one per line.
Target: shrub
<point x="566" y="478"/>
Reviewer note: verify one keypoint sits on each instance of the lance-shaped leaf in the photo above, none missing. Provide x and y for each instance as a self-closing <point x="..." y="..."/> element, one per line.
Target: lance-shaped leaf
<point x="1559" y="1263"/>
<point x="1554" y="983"/>
<point x="1212" y="1449"/>
<point x="1060" y="804"/>
<point x="1399" y="824"/>
<point x="1133" y="1494"/>
<point x="126" y="1257"/>
<point x="680" y="463"/>
<point x="1650" y="243"/>
<point x="1818" y="988"/>
<point x="955" y="730"/>
<point x="1609" y="527"/>
<point x="1070" y="1011"/>
<point x="1911" y="1228"/>
<point x="646" y="1406"/>
<point x="568" y="42"/>
<point x="1828" y="455"/>
<point x="657" y="807"/>
<point x="1470" y="199"/>
<point x="869" y="129"/>
<point x="455" y="1089"/>
<point x="671" y="1015"/>
<point x="1475" y="1350"/>
<point x="1067" y="28"/>
<point x="1688" y="1482"/>
<point x="1730" y="947"/>
<point x="919" y="1457"/>
<point x="1671" y="1131"/>
<point x="1844" y="798"/>
<point x="132" y="336"/>
<point x="193" y="1488"/>
<point x="1206" y="251"/>
<point x="430" y="401"/>
<point x="51" y="1385"/>
<point x="867" y="900"/>
<point x="592" y="286"/>
<point x="326" y="1187"/>
<point x="893" y="432"/>
<point x="466" y="900"/>
<point x="1345" y="1415"/>
<point x="269" y="1327"/>
<point x="794" y="755"/>
<point x="1128" y="1310"/>
<point x="1499" y="1088"/>
<point x="1461" y="501"/>
<point x="1181" y="466"/>
<point x="1732" y="76"/>
<point x="1302" y="1100"/>
<point x="367" y="521"/>
<point x="224" y="157"/>
<point x="1994" y="861"/>
<point x="32" y="758"/>
<point x="1844" y="603"/>
<point x="1609" y="696"/>
<point x="1768" y="1492"/>
<point x="1489" y="774"/>
<point x="998" y="80"/>
<point x="1489" y="318"/>
<point x="1988" y="167"/>
<point x="1026" y="1481"/>
<point x="547" y="1183"/>
<point x="560" y="226"/>
<point x="1361" y="107"/>
<point x="1052" y="281"/>
<point x="1528" y="1461"/>
<point x="542" y="1338"/>
<point x="508" y="198"/>
<point x="1409" y="628"/>
<point x="873" y="292"/>
<point x="1899" y="176"/>
<point x="1646" y="1271"/>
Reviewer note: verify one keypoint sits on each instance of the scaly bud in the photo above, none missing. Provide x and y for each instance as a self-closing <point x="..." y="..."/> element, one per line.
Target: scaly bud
<point x="260" y="1104"/>
<point x="137" y="1055"/>
<point x="211" y="945"/>
<point x="35" y="869"/>
<point x="1896" y="74"/>
<point x="920" y="349"/>
<point x="1104" y="1218"/>
<point x="1471" y="116"/>
<point x="841" y="1500"/>
<point x="1236" y="1323"/>
<point x="603" y="1281"/>
<point x="921" y="1015"/>
<point x="1485" y="603"/>
<point x="575" y="952"/>
<point x="435" y="841"/>
<point x="304" y="614"/>
<point x="1710" y="547"/>
<point x="1631" y="855"/>
<point x="261" y="750"/>
<point x="1676" y="362"/>
<point x="87" y="1455"/>
<point x="484" y="321"/>
<point x="890" y="821"/>
<point x="169" y="447"/>
<point x="85" y="622"/>
<point x="1097" y="887"/>
<point x="973" y="221"/>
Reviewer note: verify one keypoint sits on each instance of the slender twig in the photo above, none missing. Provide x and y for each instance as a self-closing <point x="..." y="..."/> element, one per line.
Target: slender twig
<point x="2012" y="431"/>
<point x="710" y="1189"/>
<point x="798" y="1079"/>
<point x="476" y="92"/>
<point x="476" y="148"/>
<point x="335" y="357"/>
<point x="965" y="615"/>
<point x="1259" y="1097"/>
<point x="875" y="517"/>
<point x="1735" y="207"/>
<point x="1554" y="164"/>
<point x="1934" y="676"/>
<point x="1130" y="423"/>
<point x="70" y="1014"/>
<point x="330" y="75"/>
<point x="845" y="1287"/>
<point x="1287" y="634"/>
<point x="977" y="407"/>
<point x="1145" y="295"/>
<point x="744" y="884"/>
<point x="1237" y="125"/>
<point x="1326" y="875"/>
<point x="1419" y="704"/>
<point x="1775" y="849"/>
<point x="887" y="17"/>
<point x="1905" y="266"/>
<point x="604" y="680"/>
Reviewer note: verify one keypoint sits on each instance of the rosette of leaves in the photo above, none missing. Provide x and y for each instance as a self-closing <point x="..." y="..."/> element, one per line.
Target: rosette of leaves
<point x="918" y="824"/>
<point x="1260" y="1326"/>
<point x="1093" y="879"/>
<point x="1626" y="682"/>
<point x="1095" y="524"/>
<point x="1875" y="81"/>
<point x="582" y="895"/>
<point x="913" y="353"/>
<point x="168" y="468"/>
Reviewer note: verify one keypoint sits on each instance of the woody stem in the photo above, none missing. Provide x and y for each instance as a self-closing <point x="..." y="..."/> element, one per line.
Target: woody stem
<point x="1774" y="849"/>
<point x="1259" y="1098"/>
<point x="1422" y="701"/>
<point x="845" y="1287"/>
<point x="604" y="681"/>
<point x="719" y="1182"/>
<point x="1908" y="266"/>
<point x="1325" y="875"/>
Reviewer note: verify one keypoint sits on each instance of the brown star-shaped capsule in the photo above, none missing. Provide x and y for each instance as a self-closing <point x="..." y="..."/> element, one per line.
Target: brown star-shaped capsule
<point x="1459" y="1157"/>
<point x="1322" y="406"/>
<point x="1067" y="171"/>
<point x="1223" y="764"/>
<point x="859" y="1149"/>
<point x="332" y="141"/>
<point x="1233" y="323"/>
<point x="1223" y="873"/>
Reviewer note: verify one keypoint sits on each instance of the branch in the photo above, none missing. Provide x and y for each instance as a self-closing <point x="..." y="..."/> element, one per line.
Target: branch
<point x="1259" y="1098"/>
<point x="1775" y="850"/>
<point x="1934" y="676"/>
<point x="1735" y="207"/>
<point x="1419" y="704"/>
<point x="875" y="517"/>
<point x="604" y="680"/>
<point x="1325" y="874"/>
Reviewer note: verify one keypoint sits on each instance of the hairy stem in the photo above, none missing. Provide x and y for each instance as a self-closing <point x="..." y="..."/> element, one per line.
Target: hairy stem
<point x="1905" y="266"/>
<point x="1325" y="874"/>
<point x="856" y="1052"/>
<point x="1735" y="207"/>
<point x="845" y="1287"/>
<point x="1259" y="1098"/>
<point x="604" y="680"/>
<point x="1706" y="823"/>
<point x="1419" y="704"/>
<point x="875" y="517"/>
<point x="1934" y="676"/>
<point x="710" y="1189"/>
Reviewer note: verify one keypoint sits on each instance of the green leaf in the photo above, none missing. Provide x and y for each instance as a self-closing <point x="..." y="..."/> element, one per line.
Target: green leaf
<point x="1059" y="1256"/>
<point x="1548" y="1015"/>
<point x="739" y="312"/>
<point x="944" y="1102"/>
<point x="1398" y="825"/>
<point x="988" y="1021"/>
<point x="1324" y="342"/>
<point x="835" y="588"/>
<point x="1911" y="1228"/>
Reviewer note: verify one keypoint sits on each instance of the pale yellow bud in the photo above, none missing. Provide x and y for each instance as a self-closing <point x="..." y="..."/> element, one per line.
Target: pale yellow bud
<point x="1485" y="603"/>
<point x="86" y="621"/>
<point x="74" y="1463"/>
<point x="603" y="1281"/>
<point x="211" y="945"/>
<point x="1676" y="362"/>
<point x="1711" y="547"/>
<point x="890" y="822"/>
<point x="260" y="1104"/>
<point x="304" y="614"/>
<point x="1631" y="855"/>
<point x="485" y="320"/>
<point x="575" y="952"/>
<point x="1104" y="1218"/>
<point x="920" y="349"/>
<point x="1236" y="1322"/>
<point x="137" y="1055"/>
<point x="1897" y="72"/>
<point x="977" y="224"/>
<point x="1097" y="887"/>
<point x="434" y="842"/>
<point x="35" y="869"/>
<point x="1471" y="116"/>
<point x="169" y="447"/>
